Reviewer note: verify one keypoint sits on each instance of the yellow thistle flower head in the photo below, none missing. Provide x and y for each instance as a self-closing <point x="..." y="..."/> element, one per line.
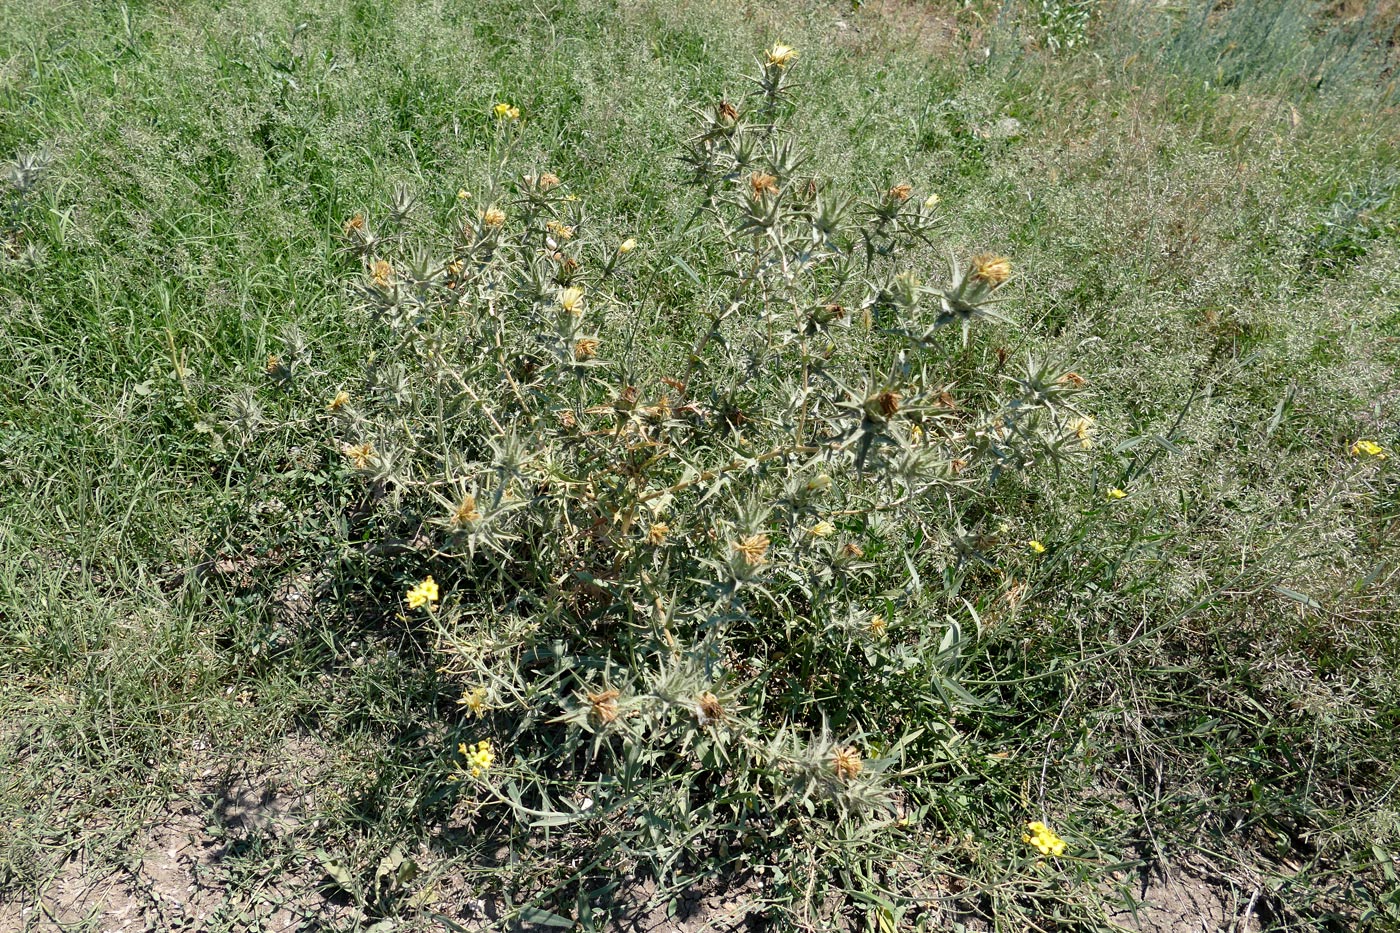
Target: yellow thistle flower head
<point x="878" y="624"/>
<point x="627" y="246"/>
<point x="360" y="455"/>
<point x="1035" y="546"/>
<point x="493" y="217"/>
<point x="1368" y="449"/>
<point x="781" y="55"/>
<point x="463" y="194"/>
<point x="504" y="111"/>
<point x="1115" y="493"/>
<point x="990" y="269"/>
<point x="342" y="398"/>
<point x="822" y="529"/>
<point x="383" y="273"/>
<point x="422" y="594"/>
<point x="931" y="202"/>
<point x="571" y="301"/>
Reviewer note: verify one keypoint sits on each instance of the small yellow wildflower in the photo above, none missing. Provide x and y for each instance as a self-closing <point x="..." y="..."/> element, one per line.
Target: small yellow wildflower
<point x="822" y="529"/>
<point x="1035" y="546"/>
<point x="342" y="398"/>
<point x="383" y="273"/>
<point x="493" y="216"/>
<point x="274" y="363"/>
<point x="1043" y="838"/>
<point x="463" y="194"/>
<point x="931" y="202"/>
<point x="1116" y="493"/>
<point x="1368" y="449"/>
<point x="916" y="435"/>
<point x="479" y="757"/>
<point x="474" y="700"/>
<point x="423" y="594"/>
<point x="571" y="300"/>
<point x="562" y="231"/>
<point x="877" y="626"/>
<point x="505" y="111"/>
<point x="781" y="55"/>
<point x="627" y="245"/>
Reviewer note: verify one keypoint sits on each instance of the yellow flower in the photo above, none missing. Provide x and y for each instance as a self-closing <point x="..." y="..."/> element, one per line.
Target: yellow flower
<point x="479" y="757"/>
<point x="1035" y="546"/>
<point x="1043" y="838"/>
<point x="931" y="202"/>
<point x="916" y="435"/>
<point x="474" y="701"/>
<point x="1116" y="493"/>
<point x="627" y="246"/>
<point x="656" y="534"/>
<point x="424" y="594"/>
<point x="562" y="231"/>
<point x="781" y="55"/>
<point x="877" y="625"/>
<point x="463" y="194"/>
<point x="505" y="111"/>
<point x="493" y="216"/>
<point x="1083" y="429"/>
<point x="1369" y="449"/>
<point x="571" y="300"/>
<point x="822" y="529"/>
<point x="342" y="398"/>
<point x="991" y="269"/>
<point x="383" y="273"/>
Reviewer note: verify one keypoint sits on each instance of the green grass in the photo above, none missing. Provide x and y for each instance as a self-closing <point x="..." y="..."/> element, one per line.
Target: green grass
<point x="1202" y="220"/>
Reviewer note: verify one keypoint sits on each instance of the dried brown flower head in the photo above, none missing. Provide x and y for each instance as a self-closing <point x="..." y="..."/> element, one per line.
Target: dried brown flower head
<point x="604" y="705"/>
<point x="727" y="112"/>
<point x="466" y="513"/>
<point x="585" y="348"/>
<point x="656" y="534"/>
<point x="761" y="183"/>
<point x="754" y="549"/>
<point x="845" y="761"/>
<point x="708" y="709"/>
<point x="900" y="193"/>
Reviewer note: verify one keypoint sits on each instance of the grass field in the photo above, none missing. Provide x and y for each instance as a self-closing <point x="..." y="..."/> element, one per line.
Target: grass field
<point x="1162" y="621"/>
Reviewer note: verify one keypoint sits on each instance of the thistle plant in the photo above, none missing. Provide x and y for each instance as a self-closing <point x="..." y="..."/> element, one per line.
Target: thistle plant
<point x="669" y="584"/>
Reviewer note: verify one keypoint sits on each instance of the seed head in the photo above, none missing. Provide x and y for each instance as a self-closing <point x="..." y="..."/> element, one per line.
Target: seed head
<point x="761" y="183"/>
<point x="493" y="217"/>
